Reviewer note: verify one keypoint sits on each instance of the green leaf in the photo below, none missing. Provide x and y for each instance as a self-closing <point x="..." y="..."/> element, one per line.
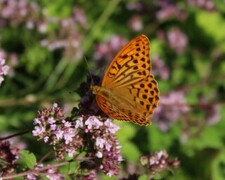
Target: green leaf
<point x="126" y="132"/>
<point x="212" y="23"/>
<point x="27" y="159"/>
<point x="159" y="140"/>
<point x="143" y="177"/>
<point x="156" y="46"/>
<point x="203" y="67"/>
<point x="70" y="168"/>
<point x="130" y="152"/>
<point x="218" y="166"/>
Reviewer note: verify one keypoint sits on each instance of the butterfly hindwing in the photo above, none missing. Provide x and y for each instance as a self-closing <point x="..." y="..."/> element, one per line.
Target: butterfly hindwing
<point x="118" y="108"/>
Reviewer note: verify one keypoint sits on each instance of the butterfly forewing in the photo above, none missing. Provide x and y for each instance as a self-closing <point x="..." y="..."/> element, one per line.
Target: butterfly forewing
<point x="130" y="64"/>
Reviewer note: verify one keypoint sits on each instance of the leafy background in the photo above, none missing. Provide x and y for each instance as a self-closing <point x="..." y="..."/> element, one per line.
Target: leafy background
<point x="51" y="47"/>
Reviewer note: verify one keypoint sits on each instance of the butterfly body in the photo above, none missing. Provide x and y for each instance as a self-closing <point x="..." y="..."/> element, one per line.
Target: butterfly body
<point x="128" y="91"/>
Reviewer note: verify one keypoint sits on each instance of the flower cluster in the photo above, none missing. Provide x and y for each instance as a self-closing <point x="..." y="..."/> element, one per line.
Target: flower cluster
<point x="135" y="23"/>
<point x="158" y="162"/>
<point x="208" y="5"/>
<point x="16" y="12"/>
<point x="8" y="156"/>
<point x="90" y="135"/>
<point x="33" y="17"/>
<point x="51" y="126"/>
<point x="106" y="144"/>
<point x="170" y="108"/>
<point x="68" y="38"/>
<point x="177" y="40"/>
<point x="3" y="70"/>
<point x="168" y="10"/>
<point x="212" y="113"/>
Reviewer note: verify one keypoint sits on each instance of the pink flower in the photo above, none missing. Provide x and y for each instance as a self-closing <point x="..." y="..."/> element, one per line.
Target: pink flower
<point x="177" y="40"/>
<point x="53" y="127"/>
<point x="107" y="146"/>
<point x="70" y="152"/>
<point x="3" y="70"/>
<point x="51" y="120"/>
<point x="99" y="154"/>
<point x="37" y="121"/>
<point x="79" y="123"/>
<point x="53" y="174"/>
<point x="92" y="137"/>
<point x="136" y="23"/>
<point x="68" y="135"/>
<point x="38" y="131"/>
<point x="66" y="123"/>
<point x="46" y="138"/>
<point x="110" y="173"/>
<point x="93" y="122"/>
<point x="171" y="107"/>
<point x="203" y="4"/>
<point x="111" y="127"/>
<point x="59" y="134"/>
<point x="100" y="142"/>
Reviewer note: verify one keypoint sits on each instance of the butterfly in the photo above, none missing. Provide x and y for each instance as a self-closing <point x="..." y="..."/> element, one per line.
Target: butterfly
<point x="129" y="92"/>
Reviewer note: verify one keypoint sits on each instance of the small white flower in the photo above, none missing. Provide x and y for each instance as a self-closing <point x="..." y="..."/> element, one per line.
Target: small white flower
<point x="59" y="134"/>
<point x="112" y="128"/>
<point x="110" y="173"/>
<point x="99" y="154"/>
<point x="1" y="80"/>
<point x="2" y="61"/>
<point x="93" y="122"/>
<point x="37" y="121"/>
<point x="53" y="127"/>
<point x="67" y="124"/>
<point x="79" y="123"/>
<point x="55" y="105"/>
<point x="100" y="142"/>
<point x="68" y="136"/>
<point x="160" y="154"/>
<point x="46" y="138"/>
<point x="5" y="70"/>
<point x="107" y="145"/>
<point x="38" y="131"/>
<point x="51" y="120"/>
<point x="152" y="161"/>
<point x="70" y="152"/>
<point x="120" y="158"/>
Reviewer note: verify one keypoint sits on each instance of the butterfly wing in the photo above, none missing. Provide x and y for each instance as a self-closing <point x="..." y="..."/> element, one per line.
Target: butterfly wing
<point x="131" y="64"/>
<point x="128" y="91"/>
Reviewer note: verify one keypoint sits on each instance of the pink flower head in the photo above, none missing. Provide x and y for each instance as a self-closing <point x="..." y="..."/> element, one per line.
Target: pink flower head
<point x="79" y="123"/>
<point x="68" y="135"/>
<point x="111" y="127"/>
<point x="93" y="123"/>
<point x="38" y="131"/>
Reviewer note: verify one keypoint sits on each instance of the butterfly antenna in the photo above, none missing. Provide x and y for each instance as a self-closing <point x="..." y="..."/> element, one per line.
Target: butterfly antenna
<point x="90" y="75"/>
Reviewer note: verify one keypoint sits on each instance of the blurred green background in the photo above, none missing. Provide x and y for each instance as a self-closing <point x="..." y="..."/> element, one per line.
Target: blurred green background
<point x="51" y="46"/>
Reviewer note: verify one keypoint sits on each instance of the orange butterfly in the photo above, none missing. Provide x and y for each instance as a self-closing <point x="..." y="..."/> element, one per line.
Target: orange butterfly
<point x="129" y="92"/>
